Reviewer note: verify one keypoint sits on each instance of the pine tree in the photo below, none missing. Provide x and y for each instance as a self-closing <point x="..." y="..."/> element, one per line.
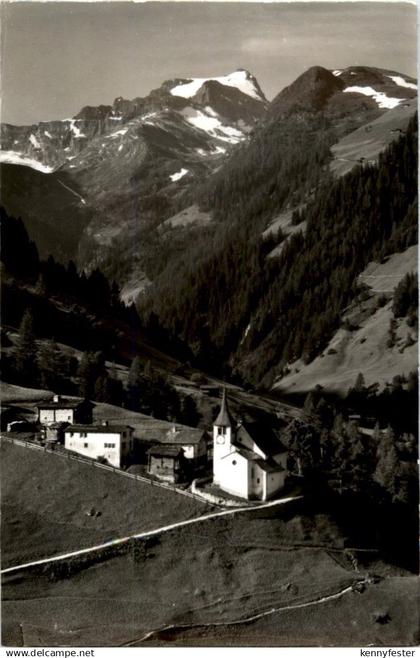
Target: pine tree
<point x="309" y="404"/>
<point x="25" y="351"/>
<point x="51" y="366"/>
<point x="102" y="389"/>
<point x="387" y="464"/>
<point x="359" y="385"/>
<point x="135" y="383"/>
<point x="189" y="412"/>
<point x="91" y="367"/>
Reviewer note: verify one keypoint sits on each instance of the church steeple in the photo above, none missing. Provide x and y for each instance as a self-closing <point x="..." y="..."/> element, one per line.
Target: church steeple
<point x="224" y="419"/>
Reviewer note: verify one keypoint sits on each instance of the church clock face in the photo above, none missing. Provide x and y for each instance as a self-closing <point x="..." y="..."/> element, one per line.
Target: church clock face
<point x="220" y="439"/>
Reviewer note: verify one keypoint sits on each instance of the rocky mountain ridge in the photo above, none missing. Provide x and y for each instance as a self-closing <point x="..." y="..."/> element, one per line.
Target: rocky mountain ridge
<point x="132" y="166"/>
<point x="236" y="100"/>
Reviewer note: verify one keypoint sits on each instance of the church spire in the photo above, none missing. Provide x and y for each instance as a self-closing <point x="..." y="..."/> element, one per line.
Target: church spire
<point x="224" y="419"/>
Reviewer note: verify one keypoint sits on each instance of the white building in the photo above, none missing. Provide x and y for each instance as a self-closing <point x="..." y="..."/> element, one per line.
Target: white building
<point x="249" y="460"/>
<point x="63" y="410"/>
<point x="113" y="443"/>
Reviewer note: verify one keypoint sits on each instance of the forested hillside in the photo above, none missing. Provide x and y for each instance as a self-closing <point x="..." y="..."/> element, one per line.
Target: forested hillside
<point x="256" y="312"/>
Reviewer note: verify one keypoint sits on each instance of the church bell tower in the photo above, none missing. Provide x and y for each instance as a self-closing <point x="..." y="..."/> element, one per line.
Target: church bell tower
<point x="223" y="427"/>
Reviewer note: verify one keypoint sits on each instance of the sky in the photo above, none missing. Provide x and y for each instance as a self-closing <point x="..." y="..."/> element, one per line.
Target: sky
<point x="60" y="56"/>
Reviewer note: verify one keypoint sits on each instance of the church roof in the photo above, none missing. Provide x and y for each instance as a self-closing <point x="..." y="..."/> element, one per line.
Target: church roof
<point x="268" y="465"/>
<point x="266" y="438"/>
<point x="224" y="419"/>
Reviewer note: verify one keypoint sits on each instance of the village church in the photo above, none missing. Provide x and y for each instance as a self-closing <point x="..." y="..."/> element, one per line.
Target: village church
<point x="249" y="460"/>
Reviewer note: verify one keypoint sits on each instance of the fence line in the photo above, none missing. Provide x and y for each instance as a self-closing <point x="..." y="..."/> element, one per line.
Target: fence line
<point x="86" y="460"/>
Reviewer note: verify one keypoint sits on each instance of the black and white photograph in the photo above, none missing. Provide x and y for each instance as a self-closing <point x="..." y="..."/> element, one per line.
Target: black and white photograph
<point x="209" y="326"/>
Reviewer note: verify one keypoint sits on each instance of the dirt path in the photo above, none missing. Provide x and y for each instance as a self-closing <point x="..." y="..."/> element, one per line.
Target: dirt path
<point x="246" y="620"/>
<point x="149" y="533"/>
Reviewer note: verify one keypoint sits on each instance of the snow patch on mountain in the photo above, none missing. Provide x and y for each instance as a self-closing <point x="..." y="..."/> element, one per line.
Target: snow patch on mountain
<point x="34" y="142"/>
<point x="75" y="130"/>
<point x="210" y="111"/>
<point x="337" y="72"/>
<point x="212" y="126"/>
<point x="218" y="150"/>
<point x="383" y="101"/>
<point x="178" y="175"/>
<point x="47" y="134"/>
<point x="401" y="82"/>
<point x="238" y="79"/>
<point x="11" y="157"/>
<point x="119" y="132"/>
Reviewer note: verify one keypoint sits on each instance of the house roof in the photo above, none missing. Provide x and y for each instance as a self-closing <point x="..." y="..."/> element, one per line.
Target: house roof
<point x="65" y="404"/>
<point x="165" y="451"/>
<point x="99" y="429"/>
<point x="224" y="419"/>
<point x="265" y="437"/>
<point x="182" y="436"/>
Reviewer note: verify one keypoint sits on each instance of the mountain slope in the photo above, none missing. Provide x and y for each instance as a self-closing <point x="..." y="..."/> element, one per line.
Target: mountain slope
<point x="232" y="99"/>
<point x="194" y="186"/>
<point x="355" y="91"/>
<point x="54" y="211"/>
<point x="132" y="161"/>
<point x="362" y="344"/>
<point x="262" y="314"/>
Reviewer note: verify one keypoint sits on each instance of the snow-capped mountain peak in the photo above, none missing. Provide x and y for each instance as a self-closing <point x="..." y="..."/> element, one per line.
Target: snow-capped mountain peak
<point x="240" y="79"/>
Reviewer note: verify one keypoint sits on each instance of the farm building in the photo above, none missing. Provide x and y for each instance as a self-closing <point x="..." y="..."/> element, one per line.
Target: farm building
<point x="62" y="410"/>
<point x="194" y="443"/>
<point x="111" y="443"/>
<point x="167" y="462"/>
<point x="249" y="460"/>
<point x="54" y="433"/>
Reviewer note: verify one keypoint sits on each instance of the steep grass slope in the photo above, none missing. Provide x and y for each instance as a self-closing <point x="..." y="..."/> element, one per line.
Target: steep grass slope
<point x="46" y="500"/>
<point x="213" y="573"/>
<point x="365" y="347"/>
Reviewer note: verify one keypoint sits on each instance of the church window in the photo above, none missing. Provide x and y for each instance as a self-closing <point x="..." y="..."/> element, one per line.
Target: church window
<point x="221" y="430"/>
<point x="234" y="462"/>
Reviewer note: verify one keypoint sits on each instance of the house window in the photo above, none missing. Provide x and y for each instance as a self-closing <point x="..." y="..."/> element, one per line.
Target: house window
<point x="86" y="445"/>
<point x="109" y="445"/>
<point x="68" y="417"/>
<point x="71" y="433"/>
<point x="258" y="480"/>
<point x="83" y="435"/>
<point x="252" y="471"/>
